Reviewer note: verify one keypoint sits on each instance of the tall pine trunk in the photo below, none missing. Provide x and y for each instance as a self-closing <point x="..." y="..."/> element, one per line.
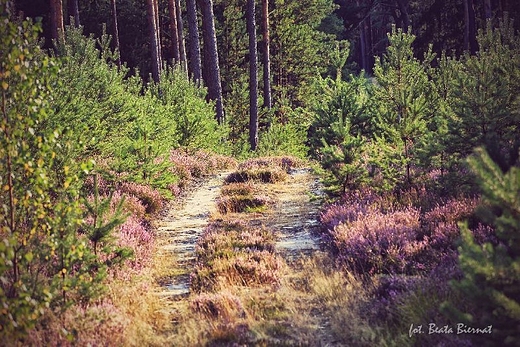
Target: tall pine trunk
<point x="253" y="75"/>
<point x="195" y="65"/>
<point x="180" y="30"/>
<point x="266" y="58"/>
<point x="115" y="32"/>
<point x="212" y="74"/>
<point x="74" y="12"/>
<point x="57" y="20"/>
<point x="470" y="31"/>
<point x="154" y="42"/>
<point x="172" y="11"/>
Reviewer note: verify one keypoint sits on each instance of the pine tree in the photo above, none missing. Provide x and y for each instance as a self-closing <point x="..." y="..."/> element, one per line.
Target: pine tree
<point x="195" y="66"/>
<point x="491" y="282"/>
<point x="212" y="67"/>
<point x="405" y="97"/>
<point x="253" y="75"/>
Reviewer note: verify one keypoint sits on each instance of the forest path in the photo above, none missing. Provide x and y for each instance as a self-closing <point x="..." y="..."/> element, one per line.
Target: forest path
<point x="294" y="221"/>
<point x="180" y="229"/>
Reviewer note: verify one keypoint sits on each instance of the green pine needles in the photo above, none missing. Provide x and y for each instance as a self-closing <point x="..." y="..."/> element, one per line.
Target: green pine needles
<point x="490" y="286"/>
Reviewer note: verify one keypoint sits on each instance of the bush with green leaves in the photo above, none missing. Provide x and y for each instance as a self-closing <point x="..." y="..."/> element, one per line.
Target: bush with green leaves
<point x="44" y="262"/>
<point x="490" y="286"/>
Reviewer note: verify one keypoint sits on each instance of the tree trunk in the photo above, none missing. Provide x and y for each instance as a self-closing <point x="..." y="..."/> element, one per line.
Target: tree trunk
<point x="253" y="75"/>
<point x="172" y="11"/>
<point x="267" y="55"/>
<point x="158" y="31"/>
<point x="74" y="12"/>
<point x="195" y="68"/>
<point x="488" y="11"/>
<point x="470" y="41"/>
<point x="115" y="32"/>
<point x="154" y="43"/>
<point x="212" y="74"/>
<point x="57" y="20"/>
<point x="180" y="30"/>
<point x="403" y="11"/>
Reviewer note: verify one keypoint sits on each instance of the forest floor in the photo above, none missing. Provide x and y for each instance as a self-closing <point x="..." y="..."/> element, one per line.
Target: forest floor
<point x="292" y="311"/>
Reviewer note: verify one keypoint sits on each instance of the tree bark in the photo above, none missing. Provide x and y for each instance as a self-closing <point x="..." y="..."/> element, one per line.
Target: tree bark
<point x="253" y="75"/>
<point x="266" y="58"/>
<point x="180" y="30"/>
<point x="403" y="11"/>
<point x="158" y="31"/>
<point x="195" y="63"/>
<point x="74" y="12"/>
<point x="57" y="20"/>
<point x="154" y="43"/>
<point x="470" y="41"/>
<point x="172" y="11"/>
<point x="116" y="32"/>
<point x="212" y="74"/>
<point x="488" y="11"/>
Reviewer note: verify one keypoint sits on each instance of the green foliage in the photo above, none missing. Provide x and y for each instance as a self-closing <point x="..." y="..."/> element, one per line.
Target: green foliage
<point x="491" y="282"/>
<point x="99" y="231"/>
<point x="344" y="160"/>
<point x="186" y="111"/>
<point x="485" y="98"/>
<point x="43" y="261"/>
<point x="340" y="130"/>
<point x="405" y="99"/>
<point x="298" y="46"/>
<point x="90" y="94"/>
<point x="282" y="139"/>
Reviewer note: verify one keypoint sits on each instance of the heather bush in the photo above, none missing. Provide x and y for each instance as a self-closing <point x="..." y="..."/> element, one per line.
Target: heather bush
<point x="151" y="199"/>
<point x="384" y="233"/>
<point x="379" y="243"/>
<point x="189" y="164"/>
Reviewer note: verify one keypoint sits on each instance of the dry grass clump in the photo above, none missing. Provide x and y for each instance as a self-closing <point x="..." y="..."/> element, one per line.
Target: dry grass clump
<point x="234" y="189"/>
<point x="240" y="197"/>
<point x="242" y="203"/>
<point x="284" y="162"/>
<point x="232" y="253"/>
<point x="264" y="175"/>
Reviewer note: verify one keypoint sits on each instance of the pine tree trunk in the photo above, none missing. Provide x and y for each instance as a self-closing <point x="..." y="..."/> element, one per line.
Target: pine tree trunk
<point x="194" y="47"/>
<point x="57" y="20"/>
<point x="180" y="30"/>
<point x="487" y="9"/>
<point x="74" y="12"/>
<point x="154" y="44"/>
<point x="115" y="32"/>
<point x="158" y="31"/>
<point x="405" y="18"/>
<point x="172" y="11"/>
<point x="253" y="75"/>
<point x="470" y="41"/>
<point x="212" y="74"/>
<point x="267" y="55"/>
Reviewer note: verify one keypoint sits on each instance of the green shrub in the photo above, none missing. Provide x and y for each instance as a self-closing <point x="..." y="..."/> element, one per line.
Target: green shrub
<point x="43" y="261"/>
<point x="491" y="282"/>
